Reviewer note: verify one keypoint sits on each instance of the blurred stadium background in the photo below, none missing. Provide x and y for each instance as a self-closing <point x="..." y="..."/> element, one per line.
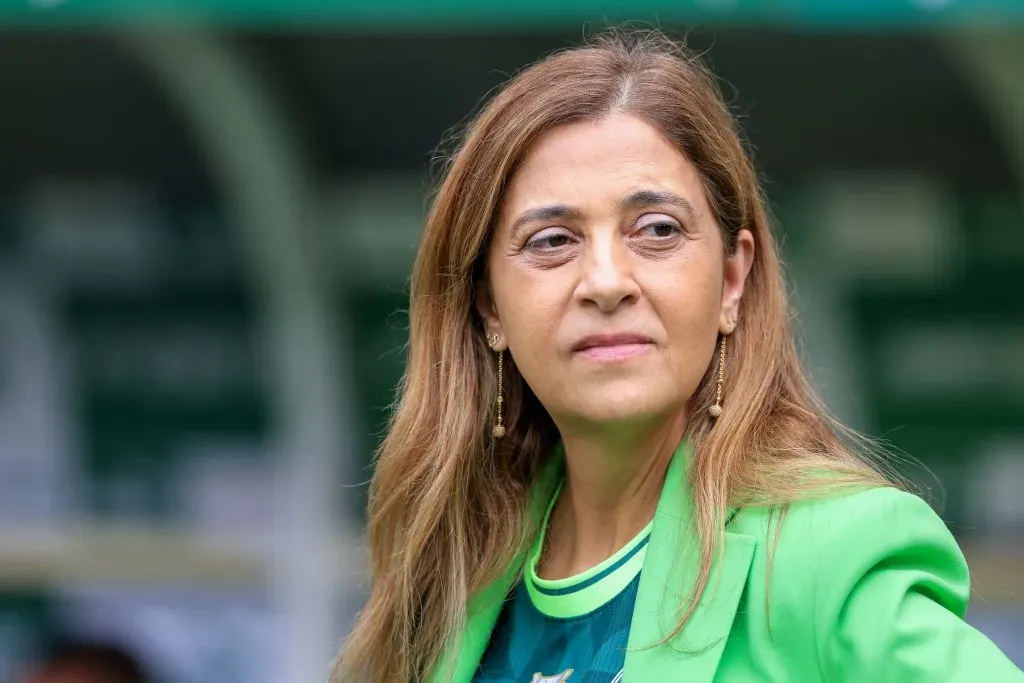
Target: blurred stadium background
<point x="208" y="211"/>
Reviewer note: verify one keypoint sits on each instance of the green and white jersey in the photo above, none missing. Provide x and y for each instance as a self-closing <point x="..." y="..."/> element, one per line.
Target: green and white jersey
<point x="571" y="630"/>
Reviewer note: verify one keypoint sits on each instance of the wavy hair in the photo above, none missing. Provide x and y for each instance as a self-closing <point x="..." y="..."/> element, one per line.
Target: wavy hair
<point x="448" y="505"/>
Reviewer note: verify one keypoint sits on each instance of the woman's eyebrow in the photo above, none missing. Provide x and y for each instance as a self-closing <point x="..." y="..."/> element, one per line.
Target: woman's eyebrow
<point x="645" y="198"/>
<point x="638" y="199"/>
<point x="549" y="212"/>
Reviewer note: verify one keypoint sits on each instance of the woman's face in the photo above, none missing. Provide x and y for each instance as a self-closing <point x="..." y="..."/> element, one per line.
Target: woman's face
<point x="608" y="281"/>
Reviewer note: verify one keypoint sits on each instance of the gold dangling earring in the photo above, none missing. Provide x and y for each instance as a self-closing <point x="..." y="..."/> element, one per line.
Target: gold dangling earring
<point x="716" y="410"/>
<point x="499" y="429"/>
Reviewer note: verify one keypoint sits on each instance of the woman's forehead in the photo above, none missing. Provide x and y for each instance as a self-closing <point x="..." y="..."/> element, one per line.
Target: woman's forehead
<point x="600" y="161"/>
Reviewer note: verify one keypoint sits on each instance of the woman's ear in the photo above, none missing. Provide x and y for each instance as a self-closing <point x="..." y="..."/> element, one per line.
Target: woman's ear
<point x="737" y="267"/>
<point x="489" y="314"/>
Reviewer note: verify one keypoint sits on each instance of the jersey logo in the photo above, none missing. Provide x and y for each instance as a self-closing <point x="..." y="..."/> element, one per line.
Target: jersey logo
<point x="557" y="678"/>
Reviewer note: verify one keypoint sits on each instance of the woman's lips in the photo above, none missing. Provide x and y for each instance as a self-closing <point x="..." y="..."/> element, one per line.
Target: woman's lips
<point x="615" y="352"/>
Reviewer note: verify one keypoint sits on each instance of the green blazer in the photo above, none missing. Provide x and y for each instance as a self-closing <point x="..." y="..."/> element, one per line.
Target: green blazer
<point x="867" y="586"/>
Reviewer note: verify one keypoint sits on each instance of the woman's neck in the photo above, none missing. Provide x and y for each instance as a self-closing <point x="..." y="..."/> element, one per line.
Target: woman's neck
<point x="611" y="490"/>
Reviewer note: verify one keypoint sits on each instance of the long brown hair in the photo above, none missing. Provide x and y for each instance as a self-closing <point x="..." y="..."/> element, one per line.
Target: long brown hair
<point x="447" y="511"/>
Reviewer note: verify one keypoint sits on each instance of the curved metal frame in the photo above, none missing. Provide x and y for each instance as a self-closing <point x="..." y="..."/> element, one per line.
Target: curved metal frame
<point x="255" y="157"/>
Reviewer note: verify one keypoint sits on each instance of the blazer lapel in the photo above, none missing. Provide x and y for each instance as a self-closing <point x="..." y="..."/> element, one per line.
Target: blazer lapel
<point x="670" y="567"/>
<point x="669" y="571"/>
<point x="461" y="661"/>
<point x="482" y="615"/>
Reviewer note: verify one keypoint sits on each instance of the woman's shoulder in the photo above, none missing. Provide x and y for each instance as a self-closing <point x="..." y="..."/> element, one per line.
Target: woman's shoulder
<point x="876" y="513"/>
<point x="876" y="581"/>
<point x="832" y="542"/>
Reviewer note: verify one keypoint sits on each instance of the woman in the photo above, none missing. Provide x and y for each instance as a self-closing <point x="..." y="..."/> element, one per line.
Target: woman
<point x="606" y="463"/>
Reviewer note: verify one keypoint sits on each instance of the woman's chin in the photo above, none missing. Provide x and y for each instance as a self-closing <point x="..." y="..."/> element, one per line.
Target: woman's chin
<point x="624" y="406"/>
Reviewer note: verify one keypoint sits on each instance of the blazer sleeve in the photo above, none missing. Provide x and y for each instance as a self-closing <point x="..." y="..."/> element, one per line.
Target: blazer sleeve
<point x="891" y="592"/>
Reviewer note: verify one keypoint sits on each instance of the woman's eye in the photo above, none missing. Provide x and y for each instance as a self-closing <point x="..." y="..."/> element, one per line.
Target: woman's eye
<point x="660" y="230"/>
<point x="549" y="240"/>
